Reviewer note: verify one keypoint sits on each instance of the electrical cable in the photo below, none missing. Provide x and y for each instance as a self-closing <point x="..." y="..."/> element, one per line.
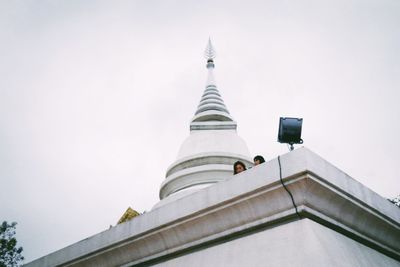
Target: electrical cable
<point x="287" y="190"/>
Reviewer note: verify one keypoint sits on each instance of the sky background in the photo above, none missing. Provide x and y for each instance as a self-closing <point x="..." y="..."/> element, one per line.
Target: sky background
<point x="96" y="98"/>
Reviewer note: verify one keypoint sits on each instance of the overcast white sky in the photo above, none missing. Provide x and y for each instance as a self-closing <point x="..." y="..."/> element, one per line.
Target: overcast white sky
<point x="96" y="98"/>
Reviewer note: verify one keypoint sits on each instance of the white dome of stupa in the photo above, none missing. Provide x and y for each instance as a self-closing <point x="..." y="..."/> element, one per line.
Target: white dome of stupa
<point x="213" y="146"/>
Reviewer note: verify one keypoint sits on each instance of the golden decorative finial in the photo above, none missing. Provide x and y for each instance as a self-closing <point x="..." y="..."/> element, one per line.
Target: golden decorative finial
<point x="128" y="215"/>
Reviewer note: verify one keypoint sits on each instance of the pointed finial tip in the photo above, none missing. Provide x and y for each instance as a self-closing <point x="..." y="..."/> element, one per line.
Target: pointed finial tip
<point x="209" y="53"/>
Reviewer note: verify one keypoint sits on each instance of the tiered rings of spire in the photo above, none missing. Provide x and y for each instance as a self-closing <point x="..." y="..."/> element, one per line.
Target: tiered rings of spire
<point x="211" y="99"/>
<point x="211" y="107"/>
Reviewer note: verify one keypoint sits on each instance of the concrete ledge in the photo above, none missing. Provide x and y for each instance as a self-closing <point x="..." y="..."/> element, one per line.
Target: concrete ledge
<point x="203" y="168"/>
<point x="205" y="159"/>
<point x="209" y="174"/>
<point x="245" y="203"/>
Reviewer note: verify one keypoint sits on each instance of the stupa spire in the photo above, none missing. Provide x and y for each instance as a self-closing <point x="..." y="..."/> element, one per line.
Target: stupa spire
<point x="210" y="54"/>
<point x="211" y="112"/>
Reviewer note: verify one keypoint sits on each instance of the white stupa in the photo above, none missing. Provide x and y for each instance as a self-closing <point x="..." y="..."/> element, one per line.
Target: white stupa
<point x="213" y="146"/>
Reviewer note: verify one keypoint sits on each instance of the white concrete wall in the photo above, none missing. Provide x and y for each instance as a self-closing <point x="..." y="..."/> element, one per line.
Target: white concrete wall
<point x="300" y="243"/>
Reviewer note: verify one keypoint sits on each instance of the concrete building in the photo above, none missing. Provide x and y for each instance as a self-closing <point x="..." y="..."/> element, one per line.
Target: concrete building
<point x="294" y="210"/>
